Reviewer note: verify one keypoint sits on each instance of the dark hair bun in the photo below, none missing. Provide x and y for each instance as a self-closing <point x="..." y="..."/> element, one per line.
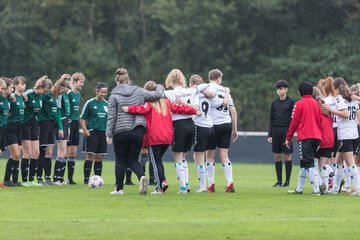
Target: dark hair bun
<point x="121" y="71"/>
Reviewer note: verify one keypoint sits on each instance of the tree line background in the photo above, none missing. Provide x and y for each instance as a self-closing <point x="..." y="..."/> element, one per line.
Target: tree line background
<point x="254" y="43"/>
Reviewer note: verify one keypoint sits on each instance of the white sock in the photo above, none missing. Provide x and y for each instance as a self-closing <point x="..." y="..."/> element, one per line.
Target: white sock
<point x="347" y="177"/>
<point x="317" y="175"/>
<point x="186" y="172"/>
<point x="180" y="174"/>
<point x="202" y="176"/>
<point x="314" y="179"/>
<point x="354" y="173"/>
<point x="329" y="169"/>
<point x="339" y="173"/>
<point x="358" y="168"/>
<point x="301" y="180"/>
<point x="324" y="174"/>
<point x="210" y="169"/>
<point x="228" y="172"/>
<point x="333" y="166"/>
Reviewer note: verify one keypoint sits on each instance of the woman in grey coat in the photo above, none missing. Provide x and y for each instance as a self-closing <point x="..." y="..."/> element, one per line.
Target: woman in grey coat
<point x="125" y="130"/>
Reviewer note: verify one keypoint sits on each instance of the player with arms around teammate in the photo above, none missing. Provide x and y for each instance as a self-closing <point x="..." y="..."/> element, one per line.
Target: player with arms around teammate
<point x="184" y="128"/>
<point x="49" y="121"/>
<point x="63" y="105"/>
<point x="13" y="133"/>
<point x="346" y="111"/>
<point x="30" y="131"/>
<point x="280" y="116"/>
<point x="159" y="131"/>
<point x="204" y="128"/>
<point x="225" y="125"/>
<point x="78" y="80"/>
<point x="93" y="120"/>
<point x="126" y="129"/>
<point x="6" y="89"/>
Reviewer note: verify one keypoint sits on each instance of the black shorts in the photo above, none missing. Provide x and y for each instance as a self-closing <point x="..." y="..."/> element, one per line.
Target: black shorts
<point x="308" y="149"/>
<point x="2" y="138"/>
<point x="184" y="133"/>
<point x="222" y="136"/>
<point x="30" y="130"/>
<point x="47" y="132"/>
<point x="95" y="143"/>
<point x="357" y="143"/>
<point x="202" y="136"/>
<point x="13" y="134"/>
<point x="323" y="152"/>
<point x="348" y="145"/>
<point x="335" y="148"/>
<point x="278" y="140"/>
<point x="74" y="133"/>
<point x="65" y="123"/>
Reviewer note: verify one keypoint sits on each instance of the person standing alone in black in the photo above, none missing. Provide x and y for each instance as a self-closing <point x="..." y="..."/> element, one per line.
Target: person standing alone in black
<point x="280" y="116"/>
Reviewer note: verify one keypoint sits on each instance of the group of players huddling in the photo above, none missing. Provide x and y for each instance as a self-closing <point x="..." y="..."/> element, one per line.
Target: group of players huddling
<point x="326" y="120"/>
<point x="134" y="119"/>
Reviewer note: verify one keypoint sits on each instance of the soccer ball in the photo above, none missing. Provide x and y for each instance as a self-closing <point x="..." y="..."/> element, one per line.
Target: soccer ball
<point x="96" y="182"/>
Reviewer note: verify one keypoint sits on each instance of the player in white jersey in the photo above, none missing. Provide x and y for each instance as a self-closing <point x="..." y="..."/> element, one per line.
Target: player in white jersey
<point x="204" y="129"/>
<point x="355" y="90"/>
<point x="346" y="112"/>
<point x="184" y="128"/>
<point x="225" y="125"/>
<point x="327" y="169"/>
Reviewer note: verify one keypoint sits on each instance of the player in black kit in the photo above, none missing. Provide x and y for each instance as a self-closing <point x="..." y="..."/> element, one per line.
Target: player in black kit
<point x="280" y="116"/>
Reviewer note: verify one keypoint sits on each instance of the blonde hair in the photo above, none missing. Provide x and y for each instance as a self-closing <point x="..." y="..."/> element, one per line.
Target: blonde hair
<point x="43" y="82"/>
<point x="355" y="89"/>
<point x="122" y="76"/>
<point x="175" y="77"/>
<point x="161" y="105"/>
<point x="2" y="83"/>
<point x="318" y="97"/>
<point x="328" y="86"/>
<point x="8" y="81"/>
<point x="64" y="81"/>
<point x="78" y="76"/>
<point x="195" y="80"/>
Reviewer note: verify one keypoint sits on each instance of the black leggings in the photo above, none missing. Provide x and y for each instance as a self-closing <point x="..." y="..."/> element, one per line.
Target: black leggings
<point x="156" y="152"/>
<point x="127" y="147"/>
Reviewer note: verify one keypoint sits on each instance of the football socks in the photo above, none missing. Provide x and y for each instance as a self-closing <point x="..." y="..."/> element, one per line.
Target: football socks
<point x="228" y="173"/>
<point x="210" y="169"/>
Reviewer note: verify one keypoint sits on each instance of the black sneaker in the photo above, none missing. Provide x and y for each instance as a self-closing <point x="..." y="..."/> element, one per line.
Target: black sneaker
<point x="286" y="184"/>
<point x="9" y="183"/>
<point x="129" y="183"/>
<point x="18" y="184"/>
<point x="277" y="184"/>
<point x="71" y="182"/>
<point x="152" y="181"/>
<point x="48" y="182"/>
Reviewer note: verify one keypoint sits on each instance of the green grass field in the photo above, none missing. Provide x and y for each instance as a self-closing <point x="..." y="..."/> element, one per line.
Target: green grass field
<point x="254" y="211"/>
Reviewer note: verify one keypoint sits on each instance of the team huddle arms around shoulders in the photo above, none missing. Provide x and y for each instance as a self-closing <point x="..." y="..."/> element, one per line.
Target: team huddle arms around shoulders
<point x="326" y="120"/>
<point x="135" y="120"/>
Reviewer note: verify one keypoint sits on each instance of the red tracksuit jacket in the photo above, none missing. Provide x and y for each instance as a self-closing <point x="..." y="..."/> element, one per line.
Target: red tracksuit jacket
<point x="159" y="128"/>
<point x="327" y="132"/>
<point x="306" y="119"/>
